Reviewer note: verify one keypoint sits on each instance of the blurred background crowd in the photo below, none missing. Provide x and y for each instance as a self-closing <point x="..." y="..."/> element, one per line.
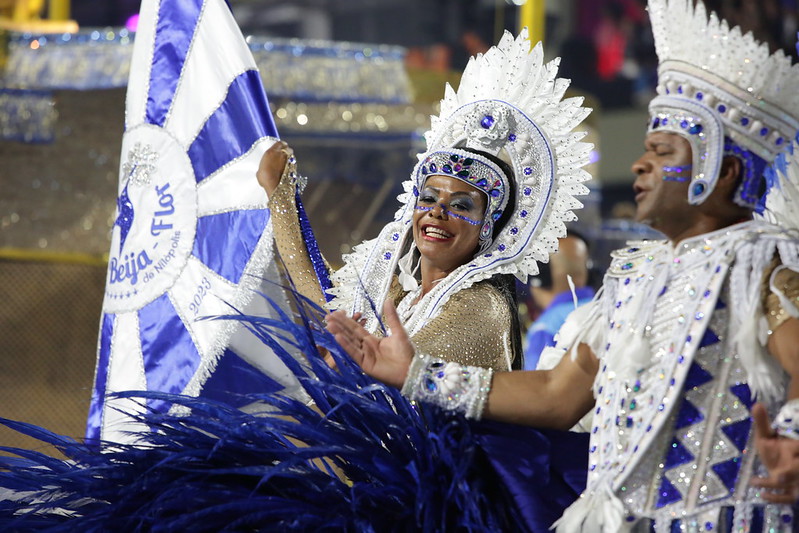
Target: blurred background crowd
<point x="352" y="85"/>
<point x="605" y="45"/>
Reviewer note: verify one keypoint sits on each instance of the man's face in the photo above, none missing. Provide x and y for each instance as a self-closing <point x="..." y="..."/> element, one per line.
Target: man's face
<point x="663" y="203"/>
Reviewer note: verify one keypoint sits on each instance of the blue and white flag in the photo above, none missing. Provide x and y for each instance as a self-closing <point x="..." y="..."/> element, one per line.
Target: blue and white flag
<point x="191" y="236"/>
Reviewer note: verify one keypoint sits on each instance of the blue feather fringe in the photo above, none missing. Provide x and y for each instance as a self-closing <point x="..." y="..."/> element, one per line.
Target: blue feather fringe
<point x="364" y="459"/>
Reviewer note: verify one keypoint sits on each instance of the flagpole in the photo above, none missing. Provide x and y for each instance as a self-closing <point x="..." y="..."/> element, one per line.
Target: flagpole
<point x="58" y="9"/>
<point x="532" y="15"/>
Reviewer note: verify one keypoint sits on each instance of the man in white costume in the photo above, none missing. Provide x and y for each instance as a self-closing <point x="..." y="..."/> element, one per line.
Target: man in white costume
<point x="687" y="333"/>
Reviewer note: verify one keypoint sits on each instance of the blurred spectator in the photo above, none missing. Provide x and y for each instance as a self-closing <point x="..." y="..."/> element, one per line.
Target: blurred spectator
<point x="601" y="56"/>
<point x="610" y="40"/>
<point x="550" y="292"/>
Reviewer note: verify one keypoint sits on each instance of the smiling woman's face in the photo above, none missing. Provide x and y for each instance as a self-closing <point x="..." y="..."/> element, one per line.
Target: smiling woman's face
<point x="446" y="223"/>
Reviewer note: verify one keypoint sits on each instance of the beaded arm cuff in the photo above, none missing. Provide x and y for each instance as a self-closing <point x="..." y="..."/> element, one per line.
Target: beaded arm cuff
<point x="463" y="389"/>
<point x="787" y="422"/>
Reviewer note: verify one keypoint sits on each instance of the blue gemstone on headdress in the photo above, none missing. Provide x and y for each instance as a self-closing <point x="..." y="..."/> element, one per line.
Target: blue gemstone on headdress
<point x="527" y="191"/>
<point x="722" y="108"/>
<point x="763" y="132"/>
<point x="699" y="188"/>
<point x="664" y="121"/>
<point x="454" y="158"/>
<point x="512" y="137"/>
<point x="528" y="171"/>
<point x="463" y="174"/>
<point x="684" y="124"/>
<point x="415" y="191"/>
<point x="433" y="167"/>
<point x="523" y="214"/>
<point x="501" y="247"/>
<point x="494" y="192"/>
<point x="696" y="128"/>
<point x="514" y="231"/>
<point x="655" y="122"/>
<point x="446" y="168"/>
<point x="482" y="183"/>
<point x="496" y="214"/>
<point x="430" y="385"/>
<point x="395" y="237"/>
<point x="699" y="96"/>
<point x="424" y="171"/>
<point x="387" y="256"/>
<point x="487" y="121"/>
<point x="780" y="141"/>
<point x="679" y="89"/>
<point x="468" y="161"/>
<point x="744" y="121"/>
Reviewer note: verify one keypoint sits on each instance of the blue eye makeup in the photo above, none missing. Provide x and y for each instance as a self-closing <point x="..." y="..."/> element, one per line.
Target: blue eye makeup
<point x="466" y="205"/>
<point x="463" y="204"/>
<point x="427" y="197"/>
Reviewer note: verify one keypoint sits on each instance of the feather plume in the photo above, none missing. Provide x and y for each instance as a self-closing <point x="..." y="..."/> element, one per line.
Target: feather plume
<point x="362" y="458"/>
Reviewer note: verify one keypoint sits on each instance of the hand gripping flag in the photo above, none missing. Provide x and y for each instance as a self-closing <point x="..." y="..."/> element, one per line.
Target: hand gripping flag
<point x="191" y="236"/>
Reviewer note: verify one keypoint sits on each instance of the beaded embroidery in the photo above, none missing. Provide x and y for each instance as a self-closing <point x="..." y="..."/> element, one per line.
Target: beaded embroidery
<point x="456" y="388"/>
<point x="672" y="439"/>
<point x="786" y="424"/>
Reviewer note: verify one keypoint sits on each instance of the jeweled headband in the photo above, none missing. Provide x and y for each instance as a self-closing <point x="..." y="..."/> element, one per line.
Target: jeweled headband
<point x="724" y="92"/>
<point x="474" y="169"/>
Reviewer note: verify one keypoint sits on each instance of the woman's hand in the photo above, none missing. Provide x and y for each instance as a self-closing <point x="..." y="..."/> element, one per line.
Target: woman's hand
<point x="386" y="359"/>
<point x="272" y="165"/>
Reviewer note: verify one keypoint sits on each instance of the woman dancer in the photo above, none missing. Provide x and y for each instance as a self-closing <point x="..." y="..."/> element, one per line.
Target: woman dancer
<point x="446" y="223"/>
<point x="487" y="199"/>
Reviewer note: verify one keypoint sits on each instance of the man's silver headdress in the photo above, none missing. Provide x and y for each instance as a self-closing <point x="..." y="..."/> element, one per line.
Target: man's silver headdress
<point x="724" y="92"/>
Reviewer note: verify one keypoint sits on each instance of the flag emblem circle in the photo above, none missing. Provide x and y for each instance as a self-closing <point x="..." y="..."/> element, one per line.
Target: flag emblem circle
<point x="156" y="222"/>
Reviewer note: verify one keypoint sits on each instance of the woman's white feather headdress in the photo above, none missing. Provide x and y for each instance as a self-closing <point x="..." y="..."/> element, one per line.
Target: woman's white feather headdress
<point x="511" y="104"/>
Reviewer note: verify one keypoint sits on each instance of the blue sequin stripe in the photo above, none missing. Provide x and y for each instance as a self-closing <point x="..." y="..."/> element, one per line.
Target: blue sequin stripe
<point x="319" y="266"/>
<point x="677" y="170"/>
<point x="451" y="214"/>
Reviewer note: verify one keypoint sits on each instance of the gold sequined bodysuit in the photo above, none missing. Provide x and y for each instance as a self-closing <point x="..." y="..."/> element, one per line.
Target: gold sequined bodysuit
<point x="455" y="334"/>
